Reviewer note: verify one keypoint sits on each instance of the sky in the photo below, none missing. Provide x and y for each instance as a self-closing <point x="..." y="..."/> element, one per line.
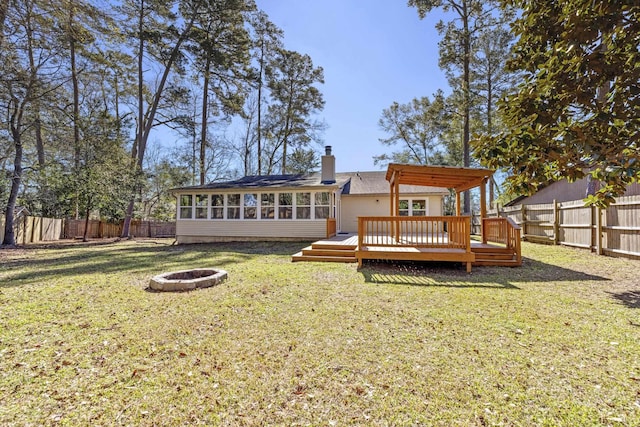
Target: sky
<point x="373" y="52"/>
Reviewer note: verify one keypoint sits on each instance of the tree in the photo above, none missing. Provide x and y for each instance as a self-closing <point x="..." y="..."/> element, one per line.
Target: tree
<point x="416" y="127"/>
<point x="471" y="16"/>
<point x="221" y="47"/>
<point x="267" y="40"/>
<point x="489" y="76"/>
<point x="295" y="99"/>
<point x="4" y="9"/>
<point x="156" y="33"/>
<point x="577" y="110"/>
<point x="30" y="74"/>
<point x="303" y="161"/>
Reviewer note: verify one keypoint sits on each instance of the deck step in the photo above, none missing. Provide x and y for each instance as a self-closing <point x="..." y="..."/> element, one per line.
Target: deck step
<point x="494" y="256"/>
<point x="333" y="246"/>
<point x="310" y="250"/>
<point x="483" y="250"/>
<point x="320" y="258"/>
<point x="497" y="263"/>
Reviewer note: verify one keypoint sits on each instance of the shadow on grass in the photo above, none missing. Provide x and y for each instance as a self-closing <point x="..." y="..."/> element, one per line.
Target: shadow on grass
<point x="111" y="258"/>
<point x="453" y="274"/>
<point x="630" y="299"/>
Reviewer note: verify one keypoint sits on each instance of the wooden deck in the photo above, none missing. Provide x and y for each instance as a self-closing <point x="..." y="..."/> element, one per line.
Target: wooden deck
<point x="343" y="247"/>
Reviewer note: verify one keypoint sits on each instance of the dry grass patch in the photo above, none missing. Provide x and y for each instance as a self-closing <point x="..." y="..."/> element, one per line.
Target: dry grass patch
<point x="83" y="342"/>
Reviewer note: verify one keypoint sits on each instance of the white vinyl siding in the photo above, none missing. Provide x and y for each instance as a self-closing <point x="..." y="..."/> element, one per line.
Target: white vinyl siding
<point x="309" y="229"/>
<point x="354" y="206"/>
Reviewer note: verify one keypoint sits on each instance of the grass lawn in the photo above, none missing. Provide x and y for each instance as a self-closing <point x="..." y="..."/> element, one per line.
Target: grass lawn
<point x="83" y="342"/>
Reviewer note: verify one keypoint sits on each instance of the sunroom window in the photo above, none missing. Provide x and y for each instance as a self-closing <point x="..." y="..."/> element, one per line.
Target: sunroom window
<point x="285" y="206"/>
<point x="186" y="206"/>
<point x="233" y="206"/>
<point x="250" y="206"/>
<point x="303" y="205"/>
<point x="217" y="206"/>
<point x="202" y="206"/>
<point x="267" y="203"/>
<point x="322" y="205"/>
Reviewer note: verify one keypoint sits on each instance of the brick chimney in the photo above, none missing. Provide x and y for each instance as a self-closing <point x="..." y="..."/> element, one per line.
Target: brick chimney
<point x="328" y="175"/>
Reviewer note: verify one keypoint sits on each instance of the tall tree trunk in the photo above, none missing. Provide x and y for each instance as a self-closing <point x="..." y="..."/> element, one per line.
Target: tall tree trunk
<point x="15" y="123"/>
<point x="85" y="236"/>
<point x="140" y="125"/>
<point x="76" y="107"/>
<point x="466" y="93"/>
<point x="9" y="235"/>
<point x="146" y="121"/>
<point x="37" y="122"/>
<point x="4" y="8"/>
<point x="260" y="107"/>
<point x="205" y="116"/>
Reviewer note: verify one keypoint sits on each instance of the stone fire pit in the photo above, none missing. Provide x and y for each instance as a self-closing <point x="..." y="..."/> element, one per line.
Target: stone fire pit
<point x="187" y="280"/>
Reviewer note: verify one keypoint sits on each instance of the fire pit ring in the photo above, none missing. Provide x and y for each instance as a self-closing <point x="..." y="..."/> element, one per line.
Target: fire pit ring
<point x="187" y="280"/>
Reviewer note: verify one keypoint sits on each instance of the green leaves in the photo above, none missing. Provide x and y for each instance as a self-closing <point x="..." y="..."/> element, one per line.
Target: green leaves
<point x="578" y="104"/>
<point x="416" y="127"/>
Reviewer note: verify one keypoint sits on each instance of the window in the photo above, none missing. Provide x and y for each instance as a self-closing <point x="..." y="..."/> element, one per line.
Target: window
<point x="404" y="208"/>
<point x="267" y="203"/>
<point x="217" y="206"/>
<point x="202" y="206"/>
<point x="322" y="205"/>
<point x="233" y="206"/>
<point x="285" y="206"/>
<point x="186" y="206"/>
<point x="250" y="206"/>
<point x="418" y="207"/>
<point x="303" y="205"/>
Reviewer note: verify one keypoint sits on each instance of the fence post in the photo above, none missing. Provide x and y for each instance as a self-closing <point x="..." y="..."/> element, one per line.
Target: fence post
<point x="556" y="223"/>
<point x="523" y="209"/>
<point x="598" y="213"/>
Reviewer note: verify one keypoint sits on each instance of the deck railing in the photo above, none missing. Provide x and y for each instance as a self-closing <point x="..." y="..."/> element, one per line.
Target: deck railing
<point x="446" y="232"/>
<point x="504" y="231"/>
<point x="331" y="227"/>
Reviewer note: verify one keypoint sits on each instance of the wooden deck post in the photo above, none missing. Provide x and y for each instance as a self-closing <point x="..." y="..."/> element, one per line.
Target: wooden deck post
<point x="457" y="203"/>
<point x="599" y="250"/>
<point x="556" y="223"/>
<point x="483" y="208"/>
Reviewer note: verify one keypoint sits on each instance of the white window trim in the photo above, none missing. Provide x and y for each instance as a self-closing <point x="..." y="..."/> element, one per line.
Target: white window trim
<point x="410" y="202"/>
<point x="225" y="205"/>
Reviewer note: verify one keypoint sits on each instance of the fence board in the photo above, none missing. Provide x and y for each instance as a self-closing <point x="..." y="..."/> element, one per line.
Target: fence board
<point x="612" y="231"/>
<point x="621" y="227"/>
<point x="37" y="229"/>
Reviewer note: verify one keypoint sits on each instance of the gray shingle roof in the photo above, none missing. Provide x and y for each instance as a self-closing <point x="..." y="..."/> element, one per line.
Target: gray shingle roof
<point x="352" y="183"/>
<point x="363" y="183"/>
<point x="265" y="181"/>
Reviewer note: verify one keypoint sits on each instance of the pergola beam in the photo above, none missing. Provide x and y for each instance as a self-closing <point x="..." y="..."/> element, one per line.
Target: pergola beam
<point x="456" y="178"/>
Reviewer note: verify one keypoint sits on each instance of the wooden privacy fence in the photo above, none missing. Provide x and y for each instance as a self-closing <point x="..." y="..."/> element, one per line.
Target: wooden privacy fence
<point x="30" y="229"/>
<point x="611" y="231"/>
<point x="74" y="228"/>
<point x="33" y="229"/>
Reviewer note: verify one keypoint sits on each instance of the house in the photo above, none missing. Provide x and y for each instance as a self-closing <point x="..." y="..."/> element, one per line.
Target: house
<point x="294" y="207"/>
<point x="565" y="191"/>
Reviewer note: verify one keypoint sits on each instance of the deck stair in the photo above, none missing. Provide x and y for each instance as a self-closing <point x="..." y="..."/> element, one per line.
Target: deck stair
<point x="328" y="251"/>
<point x="493" y="255"/>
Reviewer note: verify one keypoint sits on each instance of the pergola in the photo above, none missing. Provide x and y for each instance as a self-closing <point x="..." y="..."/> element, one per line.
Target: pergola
<point x="456" y="178"/>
